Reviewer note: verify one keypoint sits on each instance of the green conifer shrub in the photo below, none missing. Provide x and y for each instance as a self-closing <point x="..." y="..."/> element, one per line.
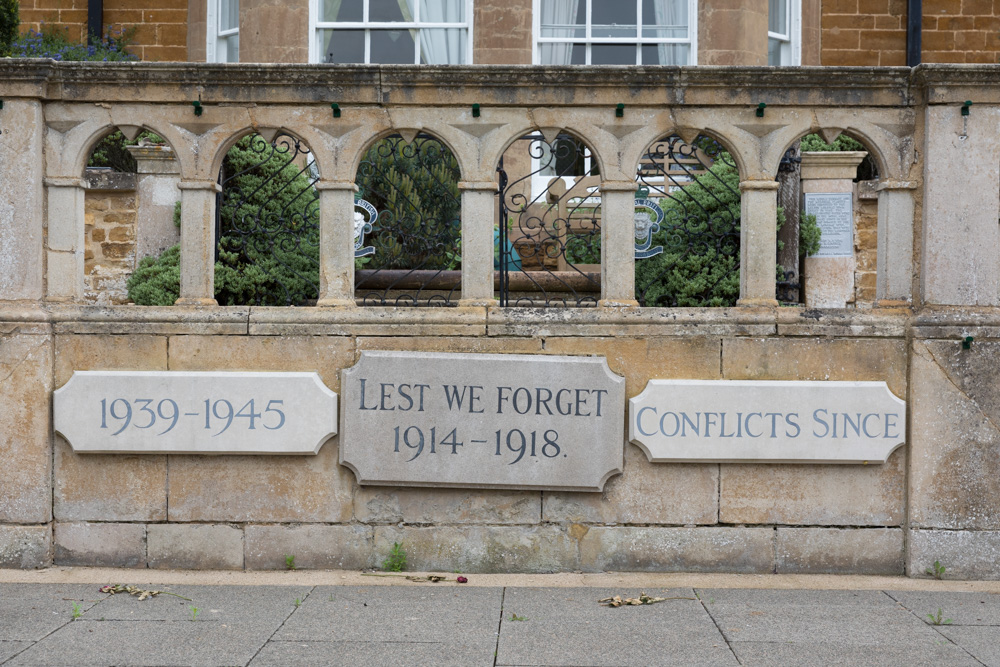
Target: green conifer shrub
<point x="9" y="22"/>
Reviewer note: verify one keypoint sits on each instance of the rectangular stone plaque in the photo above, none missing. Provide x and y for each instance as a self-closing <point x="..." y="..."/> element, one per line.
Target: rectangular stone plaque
<point x="834" y="213"/>
<point x="179" y="412"/>
<point x="767" y="421"/>
<point x="503" y="421"/>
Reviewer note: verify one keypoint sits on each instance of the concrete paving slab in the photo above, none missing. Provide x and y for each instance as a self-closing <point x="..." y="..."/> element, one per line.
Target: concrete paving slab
<point x="983" y="643"/>
<point x="364" y="654"/>
<point x="814" y="616"/>
<point x="961" y="608"/>
<point x="267" y="604"/>
<point x="801" y="654"/>
<point x="10" y="649"/>
<point x="142" y="643"/>
<point x="569" y="627"/>
<point x="449" y="615"/>
<point x="28" y="612"/>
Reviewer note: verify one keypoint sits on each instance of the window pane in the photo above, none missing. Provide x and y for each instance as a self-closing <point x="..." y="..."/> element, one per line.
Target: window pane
<point x="613" y="18"/>
<point x="341" y="10"/>
<point x="556" y="54"/>
<point x="612" y="54"/>
<point x="229" y="15"/>
<point x="665" y="54"/>
<point x="563" y="31"/>
<point x="773" y="52"/>
<point x="390" y="10"/>
<point x="777" y="16"/>
<point x="442" y="46"/>
<point x="665" y="18"/>
<point x="232" y="48"/>
<point x="342" y="46"/>
<point x="442" y="11"/>
<point x="392" y="47"/>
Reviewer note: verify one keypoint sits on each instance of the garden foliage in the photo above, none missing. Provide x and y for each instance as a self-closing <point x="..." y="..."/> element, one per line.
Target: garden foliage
<point x="9" y="22"/>
<point x="51" y="42"/>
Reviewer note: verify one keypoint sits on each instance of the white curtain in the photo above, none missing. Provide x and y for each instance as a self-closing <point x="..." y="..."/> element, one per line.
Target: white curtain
<point x="442" y="46"/>
<point x="558" y="17"/>
<point x="671" y="13"/>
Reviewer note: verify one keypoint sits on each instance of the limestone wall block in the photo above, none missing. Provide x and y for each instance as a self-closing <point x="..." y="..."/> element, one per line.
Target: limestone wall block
<point x="105" y="487"/>
<point x="840" y="551"/>
<point x="100" y="544"/>
<point x="627" y="548"/>
<point x="461" y="344"/>
<point x="21" y="207"/>
<point x="379" y="504"/>
<point x="480" y="548"/>
<point x="180" y="546"/>
<point x="955" y="432"/>
<point x="314" y="547"/>
<point x="25" y="428"/>
<point x="965" y="554"/>
<point x="25" y="547"/>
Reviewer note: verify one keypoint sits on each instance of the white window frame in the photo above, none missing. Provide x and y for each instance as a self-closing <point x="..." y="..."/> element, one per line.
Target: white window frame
<point x="217" y="48"/>
<point x="315" y="26"/>
<point x="638" y="40"/>
<point x="791" y="41"/>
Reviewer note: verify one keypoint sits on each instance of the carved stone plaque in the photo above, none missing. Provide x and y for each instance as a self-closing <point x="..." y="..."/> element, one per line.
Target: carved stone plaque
<point x="767" y="421"/>
<point x="179" y="412"/>
<point x="504" y="421"/>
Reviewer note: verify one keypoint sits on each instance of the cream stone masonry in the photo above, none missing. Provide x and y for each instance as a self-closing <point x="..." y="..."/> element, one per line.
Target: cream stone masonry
<point x="767" y="421"/>
<point x="482" y="421"/>
<point x="178" y="412"/>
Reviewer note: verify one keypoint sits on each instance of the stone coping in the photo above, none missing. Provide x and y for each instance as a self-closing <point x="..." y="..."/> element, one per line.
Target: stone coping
<point x="507" y="85"/>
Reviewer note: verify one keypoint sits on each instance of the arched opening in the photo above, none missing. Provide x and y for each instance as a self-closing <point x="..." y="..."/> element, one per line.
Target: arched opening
<point x="408" y="223"/>
<point x="687" y="224"/>
<point x="549" y="220"/>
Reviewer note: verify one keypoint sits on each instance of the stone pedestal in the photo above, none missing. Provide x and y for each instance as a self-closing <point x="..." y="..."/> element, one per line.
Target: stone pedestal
<point x="156" y="196"/>
<point x="828" y="192"/>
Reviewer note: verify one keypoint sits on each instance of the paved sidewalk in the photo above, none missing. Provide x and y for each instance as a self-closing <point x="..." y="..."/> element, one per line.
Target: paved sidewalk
<point x="343" y="619"/>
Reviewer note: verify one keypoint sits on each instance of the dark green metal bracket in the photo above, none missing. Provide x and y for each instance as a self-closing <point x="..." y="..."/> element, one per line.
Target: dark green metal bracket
<point x="1" y="104"/>
<point x="967" y="343"/>
<point x="197" y="107"/>
<point x="760" y="110"/>
<point x="965" y="107"/>
<point x="475" y="110"/>
<point x="336" y="109"/>
<point x="620" y="110"/>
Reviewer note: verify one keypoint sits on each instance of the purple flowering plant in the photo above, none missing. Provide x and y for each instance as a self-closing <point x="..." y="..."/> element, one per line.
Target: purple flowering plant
<point x="51" y="42"/>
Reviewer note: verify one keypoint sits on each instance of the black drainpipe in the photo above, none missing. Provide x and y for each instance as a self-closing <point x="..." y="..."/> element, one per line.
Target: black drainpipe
<point x="914" y="18"/>
<point x="95" y="20"/>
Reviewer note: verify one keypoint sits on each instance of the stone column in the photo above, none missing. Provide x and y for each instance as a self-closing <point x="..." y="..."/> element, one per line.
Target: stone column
<point x="479" y="203"/>
<point x="894" y="277"/>
<point x="618" y="243"/>
<point x="732" y="32"/>
<point x="828" y="183"/>
<point x="758" y="242"/>
<point x="156" y="195"/>
<point x="336" y="243"/>
<point x="198" y="243"/>
<point x="66" y="239"/>
<point x="22" y="201"/>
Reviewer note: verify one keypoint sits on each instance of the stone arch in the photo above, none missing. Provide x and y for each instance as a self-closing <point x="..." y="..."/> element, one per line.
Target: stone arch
<point x="649" y="137"/>
<point x="408" y="134"/>
<point x="829" y="135"/>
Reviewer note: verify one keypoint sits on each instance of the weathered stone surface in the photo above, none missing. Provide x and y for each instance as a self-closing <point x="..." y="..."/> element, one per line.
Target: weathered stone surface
<point x="955" y="469"/>
<point x="191" y="412"/>
<point x="767" y="420"/>
<point x="560" y="418"/>
<point x="21" y="206"/>
<point x="377" y="504"/>
<point x="823" y="495"/>
<point x="194" y="547"/>
<point x="627" y="548"/>
<point x="645" y="493"/>
<point x="25" y="430"/>
<point x="840" y="551"/>
<point x="100" y="544"/>
<point x="25" y="547"/>
<point x="314" y="547"/>
<point x="450" y="344"/>
<point x="100" y="487"/>
<point x="814" y="494"/>
<point x="965" y="554"/>
<point x="480" y="548"/>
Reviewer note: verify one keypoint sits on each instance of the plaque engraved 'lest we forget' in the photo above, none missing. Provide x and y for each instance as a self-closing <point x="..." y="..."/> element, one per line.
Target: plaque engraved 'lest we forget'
<point x="482" y="420"/>
<point x="194" y="412"/>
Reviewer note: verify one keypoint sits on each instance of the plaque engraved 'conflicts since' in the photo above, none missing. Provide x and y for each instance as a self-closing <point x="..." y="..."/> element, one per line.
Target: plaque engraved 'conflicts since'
<point x="482" y="421"/>
<point x="195" y="412"/>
